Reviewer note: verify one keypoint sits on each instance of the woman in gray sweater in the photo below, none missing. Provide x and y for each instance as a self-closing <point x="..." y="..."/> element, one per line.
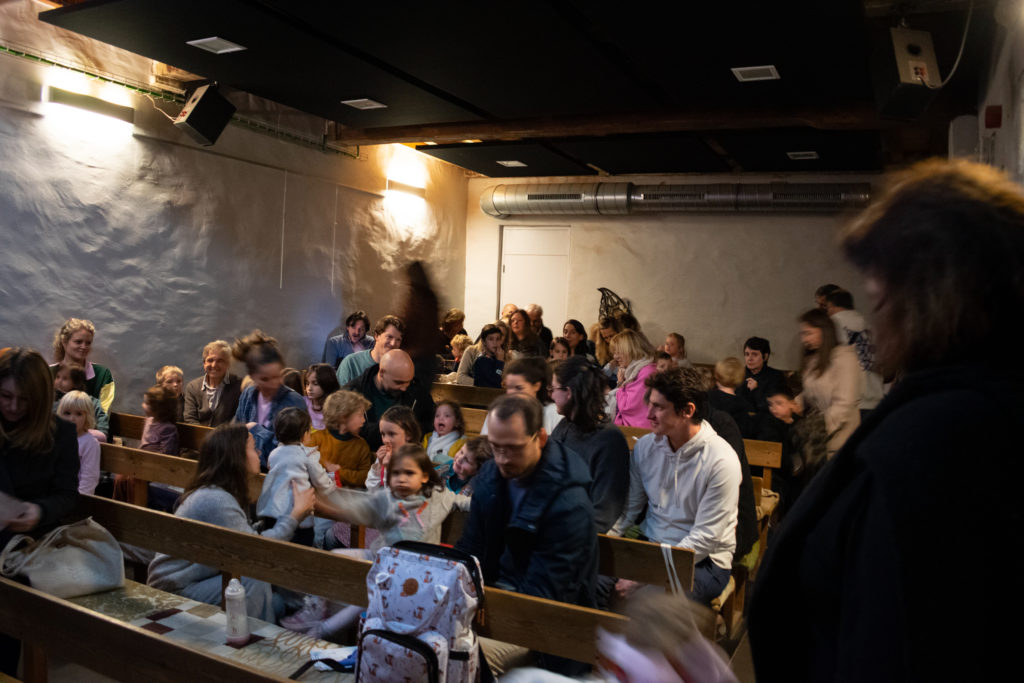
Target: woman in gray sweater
<point x="219" y="495"/>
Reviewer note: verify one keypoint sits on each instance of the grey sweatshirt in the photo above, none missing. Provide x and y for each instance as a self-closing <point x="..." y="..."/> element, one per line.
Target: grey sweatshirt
<point x="214" y="506"/>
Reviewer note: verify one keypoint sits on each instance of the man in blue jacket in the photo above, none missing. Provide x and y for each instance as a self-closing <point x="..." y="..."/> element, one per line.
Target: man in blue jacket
<point x="531" y="523"/>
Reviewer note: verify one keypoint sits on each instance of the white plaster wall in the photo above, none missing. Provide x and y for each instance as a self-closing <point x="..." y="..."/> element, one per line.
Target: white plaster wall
<point x="165" y="245"/>
<point x="716" y="278"/>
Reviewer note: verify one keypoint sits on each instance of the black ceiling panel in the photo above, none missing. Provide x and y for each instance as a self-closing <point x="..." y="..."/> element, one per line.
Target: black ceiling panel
<point x="284" y="62"/>
<point x="626" y="154"/>
<point x="766" y="151"/>
<point x="484" y="157"/>
<point x="516" y="60"/>
<point x="577" y="81"/>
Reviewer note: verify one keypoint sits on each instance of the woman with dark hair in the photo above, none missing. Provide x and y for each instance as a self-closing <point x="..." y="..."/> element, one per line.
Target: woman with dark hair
<point x="833" y="381"/>
<point x="848" y="589"/>
<point x="219" y="494"/>
<point x="523" y="339"/>
<point x="260" y="403"/>
<point x="577" y="390"/>
<point x="576" y="335"/>
<point x="38" y="459"/>
<point x="531" y="376"/>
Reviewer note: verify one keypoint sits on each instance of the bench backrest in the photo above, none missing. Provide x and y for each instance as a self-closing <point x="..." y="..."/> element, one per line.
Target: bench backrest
<point x="539" y="624"/>
<point x="624" y="558"/>
<point x="108" y="646"/>
<point x="472" y="397"/>
<point x="130" y="426"/>
<point x="765" y="454"/>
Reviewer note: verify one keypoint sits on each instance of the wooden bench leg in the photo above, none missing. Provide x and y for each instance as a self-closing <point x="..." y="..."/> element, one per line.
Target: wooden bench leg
<point x="33" y="663"/>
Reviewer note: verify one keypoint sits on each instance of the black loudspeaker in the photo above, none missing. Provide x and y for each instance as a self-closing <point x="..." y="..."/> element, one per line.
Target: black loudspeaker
<point x="205" y="116"/>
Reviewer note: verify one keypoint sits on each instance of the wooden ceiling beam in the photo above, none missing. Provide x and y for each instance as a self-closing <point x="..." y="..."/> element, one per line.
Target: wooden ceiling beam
<point x="849" y="117"/>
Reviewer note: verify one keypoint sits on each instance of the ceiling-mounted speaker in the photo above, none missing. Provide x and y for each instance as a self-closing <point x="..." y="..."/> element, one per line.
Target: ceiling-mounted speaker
<point x="905" y="73"/>
<point x="205" y="116"/>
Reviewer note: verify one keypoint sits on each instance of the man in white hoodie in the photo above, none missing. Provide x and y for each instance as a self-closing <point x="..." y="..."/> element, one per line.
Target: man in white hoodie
<point x="852" y="329"/>
<point x="690" y="479"/>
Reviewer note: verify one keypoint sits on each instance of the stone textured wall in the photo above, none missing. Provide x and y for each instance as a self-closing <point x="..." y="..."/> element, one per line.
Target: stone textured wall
<point x="166" y="245"/>
<point x="715" y="278"/>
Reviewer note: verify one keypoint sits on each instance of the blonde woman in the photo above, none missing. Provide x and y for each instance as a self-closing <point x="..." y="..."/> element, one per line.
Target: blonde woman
<point x="635" y="363"/>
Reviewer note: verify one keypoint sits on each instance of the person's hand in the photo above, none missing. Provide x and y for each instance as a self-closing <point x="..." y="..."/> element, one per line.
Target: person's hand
<point x="28" y="519"/>
<point x="384" y="455"/>
<point x="625" y="588"/>
<point x="250" y="425"/>
<point x="751" y="384"/>
<point x="331" y="467"/>
<point x="622" y="375"/>
<point x="304" y="501"/>
<point x="500" y="354"/>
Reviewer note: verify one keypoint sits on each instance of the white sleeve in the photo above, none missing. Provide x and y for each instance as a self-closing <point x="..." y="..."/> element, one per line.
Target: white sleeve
<point x="321" y="480"/>
<point x="717" y="512"/>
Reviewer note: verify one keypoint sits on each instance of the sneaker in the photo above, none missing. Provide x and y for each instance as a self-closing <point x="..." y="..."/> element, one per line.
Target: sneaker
<point x="313" y="611"/>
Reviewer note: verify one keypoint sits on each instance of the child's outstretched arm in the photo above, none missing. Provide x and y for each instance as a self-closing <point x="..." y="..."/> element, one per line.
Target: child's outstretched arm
<point x="356" y="507"/>
<point x="321" y="479"/>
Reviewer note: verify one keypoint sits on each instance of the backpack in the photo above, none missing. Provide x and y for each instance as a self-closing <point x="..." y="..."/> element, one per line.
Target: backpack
<point x="419" y="623"/>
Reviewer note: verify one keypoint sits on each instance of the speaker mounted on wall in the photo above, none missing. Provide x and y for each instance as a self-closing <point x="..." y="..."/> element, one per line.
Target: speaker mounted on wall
<point x="205" y="116"/>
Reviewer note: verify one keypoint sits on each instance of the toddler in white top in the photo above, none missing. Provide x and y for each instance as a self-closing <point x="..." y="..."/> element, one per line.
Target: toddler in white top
<point x="448" y="436"/>
<point x="292" y="461"/>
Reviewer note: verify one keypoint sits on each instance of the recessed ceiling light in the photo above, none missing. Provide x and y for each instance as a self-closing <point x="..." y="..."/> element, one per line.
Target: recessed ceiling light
<point x="512" y="163"/>
<point x="744" y="74"/>
<point x="803" y="156"/>
<point x="365" y="103"/>
<point x="217" y="46"/>
<point x="469" y="142"/>
<point x="429" y="142"/>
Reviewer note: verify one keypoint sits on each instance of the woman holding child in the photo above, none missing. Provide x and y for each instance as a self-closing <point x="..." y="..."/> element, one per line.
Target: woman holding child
<point x="219" y="494"/>
<point x="73" y="342"/>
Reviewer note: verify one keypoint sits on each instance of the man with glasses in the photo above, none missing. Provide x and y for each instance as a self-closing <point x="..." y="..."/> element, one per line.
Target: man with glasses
<point x="531" y="523"/>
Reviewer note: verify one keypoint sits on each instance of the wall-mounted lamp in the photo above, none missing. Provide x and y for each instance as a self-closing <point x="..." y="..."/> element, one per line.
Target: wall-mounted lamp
<point x="89" y="103"/>
<point x="396" y="186"/>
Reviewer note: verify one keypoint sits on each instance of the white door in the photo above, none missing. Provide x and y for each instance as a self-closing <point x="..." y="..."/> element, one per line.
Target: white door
<point x="535" y="270"/>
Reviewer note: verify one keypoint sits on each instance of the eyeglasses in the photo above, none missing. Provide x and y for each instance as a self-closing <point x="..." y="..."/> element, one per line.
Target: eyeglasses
<point x="510" y="448"/>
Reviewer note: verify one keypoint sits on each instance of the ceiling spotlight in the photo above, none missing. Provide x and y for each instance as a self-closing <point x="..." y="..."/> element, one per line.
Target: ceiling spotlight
<point x="217" y="46"/>
<point x="745" y="74"/>
<point x="512" y="163"/>
<point x="364" y="103"/>
<point x="803" y="156"/>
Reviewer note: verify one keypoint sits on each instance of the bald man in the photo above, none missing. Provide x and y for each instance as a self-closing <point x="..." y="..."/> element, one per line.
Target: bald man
<point x="392" y="382"/>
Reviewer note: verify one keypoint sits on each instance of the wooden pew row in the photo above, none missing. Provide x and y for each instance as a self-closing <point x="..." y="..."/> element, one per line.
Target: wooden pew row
<point x="539" y="624"/>
<point x="473" y="397"/>
<point x="130" y="426"/>
<point x="621" y="557"/>
<point x="105" y="645"/>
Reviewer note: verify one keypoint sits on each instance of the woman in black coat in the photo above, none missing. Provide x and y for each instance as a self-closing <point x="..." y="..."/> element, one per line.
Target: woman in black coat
<point x="880" y="570"/>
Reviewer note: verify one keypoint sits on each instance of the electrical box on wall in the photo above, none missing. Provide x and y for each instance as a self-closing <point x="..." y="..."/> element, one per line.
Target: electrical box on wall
<point x="905" y="73"/>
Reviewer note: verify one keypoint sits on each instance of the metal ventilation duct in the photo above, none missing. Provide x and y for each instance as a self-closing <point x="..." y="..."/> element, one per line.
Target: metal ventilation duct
<point x="587" y="199"/>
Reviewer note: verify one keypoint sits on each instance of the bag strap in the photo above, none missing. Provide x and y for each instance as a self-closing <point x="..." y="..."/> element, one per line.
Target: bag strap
<point x="674" y="583"/>
<point x="11" y="563"/>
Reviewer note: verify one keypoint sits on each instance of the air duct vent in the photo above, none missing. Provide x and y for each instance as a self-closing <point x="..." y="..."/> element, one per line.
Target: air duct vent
<point x="588" y="199"/>
<point x="745" y="74"/>
<point x="553" y="197"/>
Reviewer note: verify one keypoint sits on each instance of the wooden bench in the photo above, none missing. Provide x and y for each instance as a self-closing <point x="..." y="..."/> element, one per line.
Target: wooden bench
<point x="130" y="426"/>
<point x="535" y="623"/>
<point x="472" y="397"/>
<point x="104" y="644"/>
<point x="621" y="557"/>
